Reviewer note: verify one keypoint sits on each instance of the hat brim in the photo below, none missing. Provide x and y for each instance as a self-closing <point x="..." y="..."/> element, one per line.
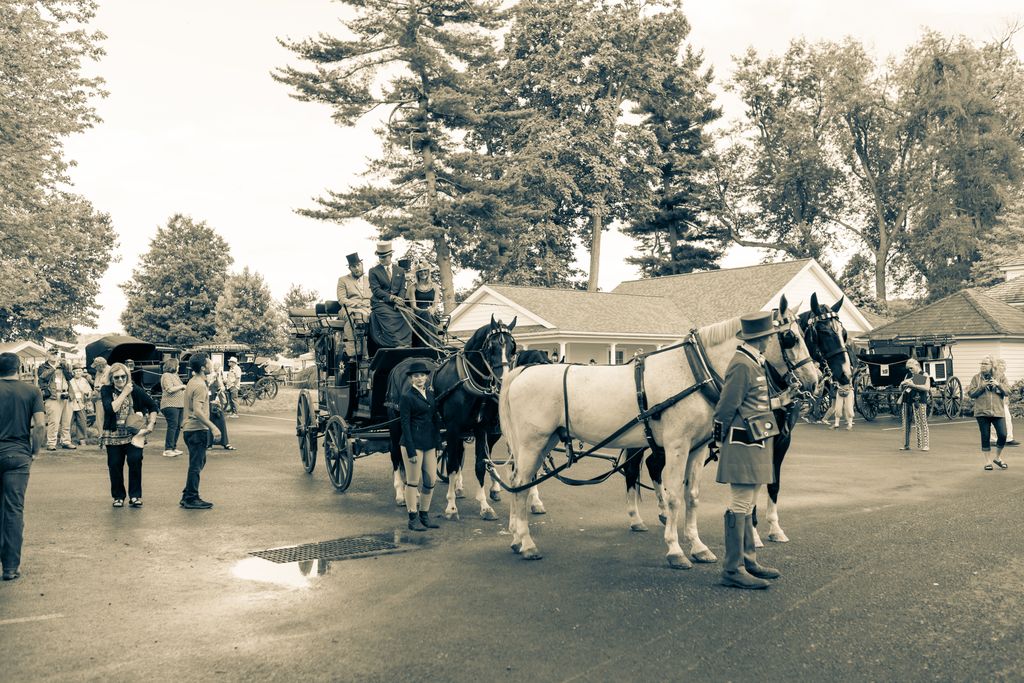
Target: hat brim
<point x="384" y="253"/>
<point x="748" y="337"/>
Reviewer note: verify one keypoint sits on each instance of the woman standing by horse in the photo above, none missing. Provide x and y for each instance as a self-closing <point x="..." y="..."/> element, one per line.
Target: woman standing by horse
<point x="743" y="429"/>
<point x="421" y="437"/>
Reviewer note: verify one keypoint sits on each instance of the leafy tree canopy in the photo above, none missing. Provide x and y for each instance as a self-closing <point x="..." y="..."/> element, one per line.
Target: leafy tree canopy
<point x="246" y="313"/>
<point x="173" y="292"/>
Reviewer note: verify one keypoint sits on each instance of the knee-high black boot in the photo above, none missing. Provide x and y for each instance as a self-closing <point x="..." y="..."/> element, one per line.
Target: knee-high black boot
<point x="735" y="574"/>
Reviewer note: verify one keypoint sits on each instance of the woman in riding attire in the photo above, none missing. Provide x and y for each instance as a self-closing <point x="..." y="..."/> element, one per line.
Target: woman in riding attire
<point x="421" y="439"/>
<point x="745" y="458"/>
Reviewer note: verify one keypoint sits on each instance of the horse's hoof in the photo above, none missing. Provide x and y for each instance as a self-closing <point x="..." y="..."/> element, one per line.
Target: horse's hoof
<point x="663" y="519"/>
<point x="451" y="516"/>
<point x="400" y="502"/>
<point x="459" y="493"/>
<point x="679" y="562"/>
<point x="778" y="538"/>
<point x="704" y="557"/>
<point x="532" y="554"/>
<point x="516" y="548"/>
<point x="495" y="496"/>
<point x="488" y="515"/>
<point x="538" y="509"/>
<point x="758" y="543"/>
<point x="638" y="526"/>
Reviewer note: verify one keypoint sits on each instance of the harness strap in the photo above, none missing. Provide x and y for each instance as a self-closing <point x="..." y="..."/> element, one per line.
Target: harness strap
<point x="641" y="401"/>
<point x="709" y="381"/>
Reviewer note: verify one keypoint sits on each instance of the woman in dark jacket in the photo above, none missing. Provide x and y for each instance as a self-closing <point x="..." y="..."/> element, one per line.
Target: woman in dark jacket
<point x="421" y="437"/>
<point x="124" y="431"/>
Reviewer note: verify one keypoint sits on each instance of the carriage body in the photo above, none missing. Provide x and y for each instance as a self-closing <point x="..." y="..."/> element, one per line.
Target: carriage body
<point x="884" y="366"/>
<point x="349" y="405"/>
<point x="148" y="358"/>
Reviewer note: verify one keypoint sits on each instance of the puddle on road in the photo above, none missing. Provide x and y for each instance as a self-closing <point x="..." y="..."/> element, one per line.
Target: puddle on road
<point x="298" y="566"/>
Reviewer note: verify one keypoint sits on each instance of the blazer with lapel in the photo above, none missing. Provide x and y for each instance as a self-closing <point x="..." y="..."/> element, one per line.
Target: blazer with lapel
<point x="421" y="425"/>
<point x="381" y="289"/>
<point x="744" y="393"/>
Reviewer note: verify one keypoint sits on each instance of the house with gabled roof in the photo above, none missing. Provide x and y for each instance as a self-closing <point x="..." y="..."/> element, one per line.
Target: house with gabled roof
<point x="982" y="326"/>
<point x="644" y="315"/>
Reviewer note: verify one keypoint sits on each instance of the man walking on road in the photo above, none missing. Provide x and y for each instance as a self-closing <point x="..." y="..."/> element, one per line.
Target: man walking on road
<point x="195" y="425"/>
<point x="22" y="431"/>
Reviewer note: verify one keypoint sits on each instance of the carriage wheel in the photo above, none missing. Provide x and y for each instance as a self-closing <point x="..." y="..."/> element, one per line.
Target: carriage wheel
<point x="953" y="398"/>
<point x="266" y="387"/>
<point x="305" y="430"/>
<point x="248" y="395"/>
<point x="866" y="404"/>
<point x="337" y="454"/>
<point x="820" y="409"/>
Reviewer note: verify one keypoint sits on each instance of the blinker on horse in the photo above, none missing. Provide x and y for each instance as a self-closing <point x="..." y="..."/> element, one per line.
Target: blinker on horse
<point x="590" y="402"/>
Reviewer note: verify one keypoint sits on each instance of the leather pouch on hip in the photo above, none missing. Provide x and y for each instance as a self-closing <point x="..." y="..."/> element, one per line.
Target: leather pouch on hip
<point x="762" y="426"/>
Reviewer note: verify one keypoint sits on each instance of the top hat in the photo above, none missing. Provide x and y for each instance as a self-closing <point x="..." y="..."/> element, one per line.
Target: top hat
<point x="404" y="263"/>
<point x="756" y="325"/>
<point x="383" y="249"/>
<point x="353" y="260"/>
<point x="418" y="366"/>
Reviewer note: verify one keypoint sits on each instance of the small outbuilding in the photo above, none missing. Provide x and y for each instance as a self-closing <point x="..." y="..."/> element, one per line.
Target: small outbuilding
<point x="32" y="355"/>
<point x="981" y="325"/>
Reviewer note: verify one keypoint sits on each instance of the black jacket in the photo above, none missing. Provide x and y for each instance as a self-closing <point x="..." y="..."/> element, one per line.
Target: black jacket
<point x="142" y="402"/>
<point x="421" y="425"/>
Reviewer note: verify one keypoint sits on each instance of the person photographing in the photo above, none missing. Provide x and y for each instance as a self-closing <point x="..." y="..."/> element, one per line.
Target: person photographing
<point x="988" y="392"/>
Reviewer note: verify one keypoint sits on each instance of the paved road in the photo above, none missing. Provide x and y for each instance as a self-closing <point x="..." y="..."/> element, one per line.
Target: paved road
<point x="901" y="567"/>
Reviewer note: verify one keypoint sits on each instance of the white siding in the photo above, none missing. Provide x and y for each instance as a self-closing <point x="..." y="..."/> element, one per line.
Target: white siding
<point x="1012" y="351"/>
<point x="479" y="313"/>
<point x="967" y="354"/>
<point x="809" y="281"/>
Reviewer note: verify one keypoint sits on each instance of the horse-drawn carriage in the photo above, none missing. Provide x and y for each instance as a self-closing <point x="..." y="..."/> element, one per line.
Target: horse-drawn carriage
<point x="147" y="358"/>
<point x="353" y="405"/>
<point x="257" y="381"/>
<point x="884" y="367"/>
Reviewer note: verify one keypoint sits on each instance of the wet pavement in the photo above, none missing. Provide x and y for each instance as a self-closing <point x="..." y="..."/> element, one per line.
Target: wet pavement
<point x="901" y="567"/>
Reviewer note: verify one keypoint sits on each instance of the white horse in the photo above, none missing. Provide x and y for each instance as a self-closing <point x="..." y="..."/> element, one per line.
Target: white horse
<point x="601" y="399"/>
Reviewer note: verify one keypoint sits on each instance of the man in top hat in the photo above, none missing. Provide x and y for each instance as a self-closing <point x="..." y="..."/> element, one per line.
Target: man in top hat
<point x="55" y="383"/>
<point x="388" y="327"/>
<point x="354" y="294"/>
<point x="745" y="461"/>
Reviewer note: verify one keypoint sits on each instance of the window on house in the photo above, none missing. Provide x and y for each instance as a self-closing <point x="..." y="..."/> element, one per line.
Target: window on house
<point x="618" y="358"/>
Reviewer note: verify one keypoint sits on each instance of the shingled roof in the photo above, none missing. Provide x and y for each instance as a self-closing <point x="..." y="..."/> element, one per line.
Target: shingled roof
<point x="967" y="313"/>
<point x="578" y="310"/>
<point x="1009" y="292"/>
<point x="714" y="295"/>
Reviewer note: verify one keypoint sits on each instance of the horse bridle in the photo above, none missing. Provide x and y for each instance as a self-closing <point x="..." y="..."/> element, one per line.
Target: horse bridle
<point x="829" y="318"/>
<point x="785" y="325"/>
<point x="491" y="377"/>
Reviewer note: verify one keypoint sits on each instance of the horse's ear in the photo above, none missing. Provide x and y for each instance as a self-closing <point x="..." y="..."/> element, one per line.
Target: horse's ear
<point x="783" y="304"/>
<point x="814" y="303"/>
<point x="839" y="304"/>
<point x="512" y="325"/>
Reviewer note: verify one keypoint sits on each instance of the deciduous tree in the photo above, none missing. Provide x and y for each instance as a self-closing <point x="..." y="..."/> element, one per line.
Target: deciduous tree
<point x="297" y="296"/>
<point x="246" y="313"/>
<point x="174" y="289"/>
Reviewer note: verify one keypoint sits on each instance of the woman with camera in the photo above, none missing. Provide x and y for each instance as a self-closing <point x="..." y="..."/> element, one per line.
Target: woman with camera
<point x="988" y="391"/>
<point x="129" y="414"/>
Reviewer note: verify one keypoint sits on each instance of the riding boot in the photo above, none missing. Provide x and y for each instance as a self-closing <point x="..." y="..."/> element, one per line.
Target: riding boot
<point x="735" y="574"/>
<point x="750" y="554"/>
<point x="425" y="497"/>
<point x="414" y="523"/>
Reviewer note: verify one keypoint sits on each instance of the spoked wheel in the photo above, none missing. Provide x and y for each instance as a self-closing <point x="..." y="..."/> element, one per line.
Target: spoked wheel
<point x="866" y="405"/>
<point x="266" y="387"/>
<point x="248" y="395"/>
<point x="337" y="454"/>
<point x="953" y="398"/>
<point x="305" y="430"/>
<point x="821" y="407"/>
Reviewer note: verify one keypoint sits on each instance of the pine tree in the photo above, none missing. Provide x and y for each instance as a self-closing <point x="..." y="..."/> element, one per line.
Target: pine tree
<point x="246" y="313"/>
<point x="410" y="58"/>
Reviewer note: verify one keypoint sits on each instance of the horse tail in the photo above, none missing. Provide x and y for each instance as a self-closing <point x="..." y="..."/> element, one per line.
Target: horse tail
<point x="505" y="406"/>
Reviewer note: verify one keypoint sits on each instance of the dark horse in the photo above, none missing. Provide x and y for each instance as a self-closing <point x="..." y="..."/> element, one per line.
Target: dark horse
<point x="466" y="385"/>
<point x="826" y="341"/>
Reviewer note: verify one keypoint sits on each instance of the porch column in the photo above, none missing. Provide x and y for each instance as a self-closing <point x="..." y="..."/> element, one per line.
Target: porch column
<point x="561" y="350"/>
<point x="611" y="353"/>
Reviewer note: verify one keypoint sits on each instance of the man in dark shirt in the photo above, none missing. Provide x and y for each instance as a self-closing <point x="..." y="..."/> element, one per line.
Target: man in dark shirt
<point x="22" y="431"/>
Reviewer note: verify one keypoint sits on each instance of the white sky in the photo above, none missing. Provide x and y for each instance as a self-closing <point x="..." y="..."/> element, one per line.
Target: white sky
<point x="194" y="123"/>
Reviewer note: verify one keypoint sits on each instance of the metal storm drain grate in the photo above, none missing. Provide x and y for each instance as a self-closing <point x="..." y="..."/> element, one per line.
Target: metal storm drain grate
<point x="339" y="549"/>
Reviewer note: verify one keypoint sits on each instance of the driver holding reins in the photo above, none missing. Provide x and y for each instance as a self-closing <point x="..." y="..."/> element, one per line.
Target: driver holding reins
<point x="743" y="430"/>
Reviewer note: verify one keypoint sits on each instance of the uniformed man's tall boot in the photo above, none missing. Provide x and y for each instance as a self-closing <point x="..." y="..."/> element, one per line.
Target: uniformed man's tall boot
<point x="750" y="553"/>
<point x="734" y="574"/>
